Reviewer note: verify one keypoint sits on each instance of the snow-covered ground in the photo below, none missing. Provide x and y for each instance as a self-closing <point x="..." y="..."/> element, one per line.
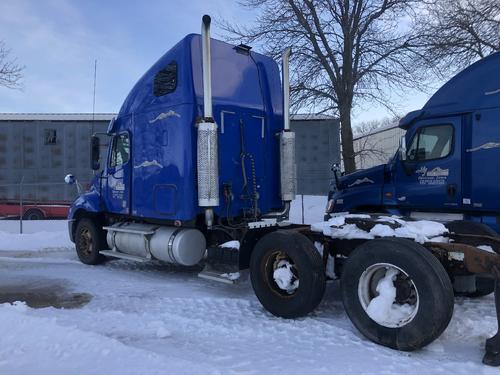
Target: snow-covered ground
<point x="155" y="319"/>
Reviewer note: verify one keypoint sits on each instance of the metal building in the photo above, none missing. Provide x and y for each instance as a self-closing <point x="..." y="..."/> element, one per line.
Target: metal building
<point x="40" y="149"/>
<point x="317" y="148"/>
<point x="377" y="146"/>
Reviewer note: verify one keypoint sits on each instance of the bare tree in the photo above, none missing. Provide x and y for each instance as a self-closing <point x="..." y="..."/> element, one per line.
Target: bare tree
<point x="344" y="52"/>
<point x="10" y="70"/>
<point x="457" y="33"/>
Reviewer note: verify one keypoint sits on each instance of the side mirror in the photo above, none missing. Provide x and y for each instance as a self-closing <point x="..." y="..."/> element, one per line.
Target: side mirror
<point x="94" y="152"/>
<point x="70" y="179"/>
<point x="336" y="174"/>
<point x="402" y="148"/>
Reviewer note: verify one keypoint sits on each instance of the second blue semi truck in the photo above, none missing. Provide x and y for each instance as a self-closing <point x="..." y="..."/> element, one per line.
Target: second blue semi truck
<point x="447" y="167"/>
<point x="200" y="171"/>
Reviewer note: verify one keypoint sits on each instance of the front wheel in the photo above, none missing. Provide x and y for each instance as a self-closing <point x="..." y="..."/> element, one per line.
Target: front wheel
<point x="397" y="293"/>
<point x="89" y="240"/>
<point x="287" y="274"/>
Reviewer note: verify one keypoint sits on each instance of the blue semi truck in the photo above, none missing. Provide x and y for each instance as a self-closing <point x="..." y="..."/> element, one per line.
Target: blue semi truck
<point x="446" y="167"/>
<point x="200" y="171"/>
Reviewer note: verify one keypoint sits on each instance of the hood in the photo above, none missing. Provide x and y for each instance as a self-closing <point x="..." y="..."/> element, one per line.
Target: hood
<point x="363" y="177"/>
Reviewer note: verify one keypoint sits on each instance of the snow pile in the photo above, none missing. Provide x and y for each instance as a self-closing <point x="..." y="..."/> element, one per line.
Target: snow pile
<point x="34" y="226"/>
<point x="35" y="241"/>
<point x="284" y="277"/>
<point x="232" y="276"/>
<point x="382" y="308"/>
<point x="487" y="248"/>
<point x="387" y="226"/>
<point x="150" y="319"/>
<point x="65" y="349"/>
<point x="38" y="235"/>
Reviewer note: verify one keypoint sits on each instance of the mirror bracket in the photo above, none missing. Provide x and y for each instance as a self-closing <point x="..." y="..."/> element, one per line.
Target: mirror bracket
<point x="95" y="151"/>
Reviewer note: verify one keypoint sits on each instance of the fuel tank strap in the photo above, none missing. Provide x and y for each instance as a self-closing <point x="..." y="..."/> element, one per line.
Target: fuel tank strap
<point x="170" y="246"/>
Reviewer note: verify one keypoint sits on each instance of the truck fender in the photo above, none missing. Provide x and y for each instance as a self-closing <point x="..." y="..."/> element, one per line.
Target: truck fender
<point x="88" y="202"/>
<point x="86" y="205"/>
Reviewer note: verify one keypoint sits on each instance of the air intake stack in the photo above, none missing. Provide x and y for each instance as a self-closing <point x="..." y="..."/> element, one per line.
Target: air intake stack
<point x="207" y="145"/>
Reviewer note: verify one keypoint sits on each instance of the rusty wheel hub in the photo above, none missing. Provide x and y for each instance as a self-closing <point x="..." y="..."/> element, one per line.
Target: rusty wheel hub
<point x="85" y="242"/>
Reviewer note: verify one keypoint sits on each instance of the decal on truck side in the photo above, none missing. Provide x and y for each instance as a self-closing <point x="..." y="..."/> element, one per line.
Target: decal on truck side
<point x="117" y="190"/>
<point x="361" y="181"/>
<point x="435" y="176"/>
<point x="164" y="115"/>
<point x="492" y="92"/>
<point x="486" y="146"/>
<point x="147" y="163"/>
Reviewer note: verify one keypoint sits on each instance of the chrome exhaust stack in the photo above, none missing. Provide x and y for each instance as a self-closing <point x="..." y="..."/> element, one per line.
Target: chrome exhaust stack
<point x="207" y="144"/>
<point x="288" y="168"/>
<point x="207" y="67"/>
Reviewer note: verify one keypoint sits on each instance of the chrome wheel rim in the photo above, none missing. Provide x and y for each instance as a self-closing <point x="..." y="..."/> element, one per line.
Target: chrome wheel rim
<point x="375" y="293"/>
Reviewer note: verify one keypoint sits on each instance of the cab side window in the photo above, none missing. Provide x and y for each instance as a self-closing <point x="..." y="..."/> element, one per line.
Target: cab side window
<point x="121" y="150"/>
<point x="165" y="80"/>
<point x="431" y="142"/>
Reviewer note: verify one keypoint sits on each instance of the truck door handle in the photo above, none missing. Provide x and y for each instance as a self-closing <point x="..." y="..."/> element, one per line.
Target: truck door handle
<point x="451" y="189"/>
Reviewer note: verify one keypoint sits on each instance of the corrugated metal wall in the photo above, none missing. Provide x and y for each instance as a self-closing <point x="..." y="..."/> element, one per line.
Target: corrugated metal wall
<point x="43" y="152"/>
<point x="317" y="148"/>
<point x="379" y="146"/>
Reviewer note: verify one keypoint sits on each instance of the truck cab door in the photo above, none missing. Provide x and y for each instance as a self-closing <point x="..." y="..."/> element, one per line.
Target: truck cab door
<point x="430" y="177"/>
<point x="117" y="187"/>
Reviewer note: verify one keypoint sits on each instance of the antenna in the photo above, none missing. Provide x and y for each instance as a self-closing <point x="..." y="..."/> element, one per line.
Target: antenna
<point x="93" y="104"/>
<point x="93" y="97"/>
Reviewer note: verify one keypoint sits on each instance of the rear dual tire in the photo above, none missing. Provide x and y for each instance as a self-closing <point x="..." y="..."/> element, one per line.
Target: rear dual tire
<point x="423" y="291"/>
<point x="291" y="254"/>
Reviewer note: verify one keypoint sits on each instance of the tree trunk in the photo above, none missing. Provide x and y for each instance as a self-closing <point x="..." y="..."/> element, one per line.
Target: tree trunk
<point x="346" y="138"/>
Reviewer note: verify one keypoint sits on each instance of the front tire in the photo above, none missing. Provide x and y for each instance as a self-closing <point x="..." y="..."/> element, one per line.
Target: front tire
<point x="89" y="240"/>
<point x="396" y="293"/>
<point x="287" y="274"/>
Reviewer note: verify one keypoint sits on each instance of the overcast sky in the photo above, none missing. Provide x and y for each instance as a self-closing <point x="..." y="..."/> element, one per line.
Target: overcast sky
<point x="58" y="41"/>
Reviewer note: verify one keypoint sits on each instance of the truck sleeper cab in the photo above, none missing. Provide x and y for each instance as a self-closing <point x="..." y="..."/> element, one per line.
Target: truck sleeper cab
<point x="445" y="169"/>
<point x="190" y="162"/>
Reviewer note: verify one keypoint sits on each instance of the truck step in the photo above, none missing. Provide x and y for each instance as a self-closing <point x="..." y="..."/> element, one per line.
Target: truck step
<point x="117" y="254"/>
<point x="209" y="273"/>
<point x="126" y="230"/>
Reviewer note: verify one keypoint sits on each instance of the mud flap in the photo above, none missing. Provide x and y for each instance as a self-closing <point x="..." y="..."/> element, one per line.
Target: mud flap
<point x="492" y="356"/>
